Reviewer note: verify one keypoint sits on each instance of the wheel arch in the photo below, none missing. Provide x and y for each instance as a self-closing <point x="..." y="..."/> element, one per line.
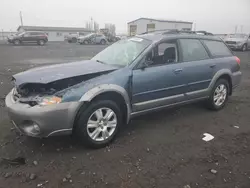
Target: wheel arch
<point x="112" y="92"/>
<point x="223" y="74"/>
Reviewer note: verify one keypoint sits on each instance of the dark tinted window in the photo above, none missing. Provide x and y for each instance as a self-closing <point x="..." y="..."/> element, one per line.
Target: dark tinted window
<point x="193" y="50"/>
<point x="36" y="33"/>
<point x="217" y="48"/>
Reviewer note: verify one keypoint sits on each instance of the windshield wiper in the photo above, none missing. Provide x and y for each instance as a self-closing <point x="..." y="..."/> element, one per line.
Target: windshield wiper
<point x="100" y="61"/>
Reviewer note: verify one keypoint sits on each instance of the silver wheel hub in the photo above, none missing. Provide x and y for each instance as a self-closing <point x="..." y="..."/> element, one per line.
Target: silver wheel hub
<point x="220" y="95"/>
<point x="101" y="124"/>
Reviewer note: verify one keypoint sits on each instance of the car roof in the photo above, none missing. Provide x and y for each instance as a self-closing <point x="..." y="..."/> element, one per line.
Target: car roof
<point x="156" y="37"/>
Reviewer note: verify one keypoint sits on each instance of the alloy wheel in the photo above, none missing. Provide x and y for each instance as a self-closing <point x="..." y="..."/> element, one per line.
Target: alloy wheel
<point x="101" y="124"/>
<point x="220" y="95"/>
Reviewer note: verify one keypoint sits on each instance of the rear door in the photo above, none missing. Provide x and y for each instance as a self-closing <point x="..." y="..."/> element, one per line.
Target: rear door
<point x="198" y="68"/>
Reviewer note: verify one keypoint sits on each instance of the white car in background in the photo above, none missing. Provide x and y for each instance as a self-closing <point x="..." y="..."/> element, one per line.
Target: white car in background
<point x="238" y="42"/>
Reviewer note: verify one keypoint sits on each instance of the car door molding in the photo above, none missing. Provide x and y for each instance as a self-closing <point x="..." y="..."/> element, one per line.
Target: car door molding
<point x="147" y="105"/>
<point x="157" y="90"/>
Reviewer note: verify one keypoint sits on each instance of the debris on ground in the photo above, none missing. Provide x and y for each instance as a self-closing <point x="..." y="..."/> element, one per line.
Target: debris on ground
<point x="68" y="176"/>
<point x="35" y="163"/>
<point x="15" y="161"/>
<point x="186" y="186"/>
<point x="64" y="179"/>
<point x="7" y="175"/>
<point x="213" y="171"/>
<point x="237" y="127"/>
<point x="32" y="176"/>
<point x="42" y="184"/>
<point x="207" y="137"/>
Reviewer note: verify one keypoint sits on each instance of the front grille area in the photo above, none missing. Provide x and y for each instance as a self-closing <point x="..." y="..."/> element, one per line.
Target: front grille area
<point x="16" y="96"/>
<point x="230" y="42"/>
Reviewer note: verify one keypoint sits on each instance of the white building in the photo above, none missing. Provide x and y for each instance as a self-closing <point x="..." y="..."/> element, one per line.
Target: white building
<point x="142" y="25"/>
<point x="54" y="33"/>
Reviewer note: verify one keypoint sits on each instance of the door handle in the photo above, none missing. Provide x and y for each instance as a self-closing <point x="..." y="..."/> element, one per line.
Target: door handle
<point x="177" y="71"/>
<point x="212" y="66"/>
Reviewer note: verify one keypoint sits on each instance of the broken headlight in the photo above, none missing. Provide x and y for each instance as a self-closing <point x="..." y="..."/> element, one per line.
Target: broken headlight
<point x="50" y="100"/>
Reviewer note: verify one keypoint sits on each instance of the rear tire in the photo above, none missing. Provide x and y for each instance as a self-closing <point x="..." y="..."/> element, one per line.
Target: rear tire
<point x="87" y="123"/>
<point x="219" y="95"/>
<point x="103" y="42"/>
<point x="244" y="48"/>
<point x="41" y="42"/>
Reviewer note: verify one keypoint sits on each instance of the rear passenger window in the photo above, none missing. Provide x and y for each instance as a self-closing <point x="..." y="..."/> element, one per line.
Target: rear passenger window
<point x="193" y="50"/>
<point x="217" y="48"/>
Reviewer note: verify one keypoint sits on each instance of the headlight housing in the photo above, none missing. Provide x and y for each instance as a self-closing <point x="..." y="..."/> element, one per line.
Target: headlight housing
<point x="239" y="42"/>
<point x="50" y="100"/>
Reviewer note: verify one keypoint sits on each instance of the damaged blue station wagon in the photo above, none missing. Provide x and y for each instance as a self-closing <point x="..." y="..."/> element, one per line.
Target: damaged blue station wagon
<point x="92" y="99"/>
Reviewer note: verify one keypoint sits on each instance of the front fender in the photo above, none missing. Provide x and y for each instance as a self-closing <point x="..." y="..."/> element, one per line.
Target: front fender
<point x="92" y="93"/>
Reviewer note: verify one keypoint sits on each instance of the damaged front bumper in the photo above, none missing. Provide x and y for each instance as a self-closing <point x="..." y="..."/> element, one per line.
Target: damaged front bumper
<point x="42" y="121"/>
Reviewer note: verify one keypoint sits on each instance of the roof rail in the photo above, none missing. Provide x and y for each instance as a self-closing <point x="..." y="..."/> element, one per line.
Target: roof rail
<point x="176" y="31"/>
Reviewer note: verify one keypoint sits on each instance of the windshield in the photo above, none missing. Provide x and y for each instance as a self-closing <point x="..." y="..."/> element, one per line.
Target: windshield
<point x="123" y="52"/>
<point x="88" y="35"/>
<point x="238" y="36"/>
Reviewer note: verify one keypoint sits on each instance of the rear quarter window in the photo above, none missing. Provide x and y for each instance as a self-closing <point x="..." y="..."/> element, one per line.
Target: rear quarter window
<point x="217" y="48"/>
<point x="193" y="50"/>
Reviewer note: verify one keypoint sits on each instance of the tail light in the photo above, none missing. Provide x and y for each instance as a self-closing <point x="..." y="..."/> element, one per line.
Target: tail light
<point x="237" y="60"/>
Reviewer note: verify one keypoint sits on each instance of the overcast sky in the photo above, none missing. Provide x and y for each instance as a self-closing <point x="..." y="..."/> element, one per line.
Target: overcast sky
<point x="218" y="16"/>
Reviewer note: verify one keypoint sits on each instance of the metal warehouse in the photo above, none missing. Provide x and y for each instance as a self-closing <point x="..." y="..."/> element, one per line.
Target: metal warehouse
<point x="142" y="25"/>
<point x="54" y="33"/>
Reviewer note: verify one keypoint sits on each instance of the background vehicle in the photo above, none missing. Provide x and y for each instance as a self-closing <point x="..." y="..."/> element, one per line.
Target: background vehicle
<point x="93" y="38"/>
<point x="129" y="78"/>
<point x="238" y="42"/>
<point x="29" y="37"/>
<point x="72" y="38"/>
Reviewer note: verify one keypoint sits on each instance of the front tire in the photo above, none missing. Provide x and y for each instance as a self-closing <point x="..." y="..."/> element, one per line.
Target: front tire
<point x="16" y="42"/>
<point x="74" y="40"/>
<point x="98" y="124"/>
<point x="219" y="95"/>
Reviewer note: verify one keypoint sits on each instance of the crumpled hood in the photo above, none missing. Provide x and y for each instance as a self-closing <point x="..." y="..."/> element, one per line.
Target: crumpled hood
<point x="56" y="72"/>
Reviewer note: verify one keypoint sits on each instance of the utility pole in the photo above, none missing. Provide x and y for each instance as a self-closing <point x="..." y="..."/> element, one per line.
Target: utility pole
<point x="21" y="18"/>
<point x="236" y="29"/>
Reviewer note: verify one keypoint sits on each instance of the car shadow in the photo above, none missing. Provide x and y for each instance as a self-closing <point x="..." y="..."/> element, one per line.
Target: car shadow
<point x="139" y="124"/>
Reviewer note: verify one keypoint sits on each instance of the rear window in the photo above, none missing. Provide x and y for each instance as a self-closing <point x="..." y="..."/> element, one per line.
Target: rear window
<point x="193" y="50"/>
<point x="217" y="48"/>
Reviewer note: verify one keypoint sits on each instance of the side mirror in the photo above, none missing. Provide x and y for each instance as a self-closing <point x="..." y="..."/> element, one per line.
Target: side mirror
<point x="146" y="63"/>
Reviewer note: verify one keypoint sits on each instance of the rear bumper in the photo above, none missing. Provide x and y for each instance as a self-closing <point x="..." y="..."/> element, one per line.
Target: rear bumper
<point x="51" y="120"/>
<point x="236" y="78"/>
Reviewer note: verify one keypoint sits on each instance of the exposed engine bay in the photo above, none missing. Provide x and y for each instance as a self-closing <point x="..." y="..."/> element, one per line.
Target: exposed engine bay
<point x="32" y="93"/>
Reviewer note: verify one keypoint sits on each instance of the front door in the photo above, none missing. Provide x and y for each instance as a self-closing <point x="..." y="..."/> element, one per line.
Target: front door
<point x="161" y="83"/>
<point x="26" y="38"/>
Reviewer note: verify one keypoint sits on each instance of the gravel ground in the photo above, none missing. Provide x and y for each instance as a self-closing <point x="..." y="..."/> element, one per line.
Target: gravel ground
<point x="163" y="149"/>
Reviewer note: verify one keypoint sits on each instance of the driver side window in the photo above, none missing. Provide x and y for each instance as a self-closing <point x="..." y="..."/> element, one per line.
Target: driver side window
<point x="163" y="53"/>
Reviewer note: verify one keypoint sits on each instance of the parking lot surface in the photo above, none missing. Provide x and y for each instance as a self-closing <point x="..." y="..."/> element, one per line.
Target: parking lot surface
<point x="163" y="149"/>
